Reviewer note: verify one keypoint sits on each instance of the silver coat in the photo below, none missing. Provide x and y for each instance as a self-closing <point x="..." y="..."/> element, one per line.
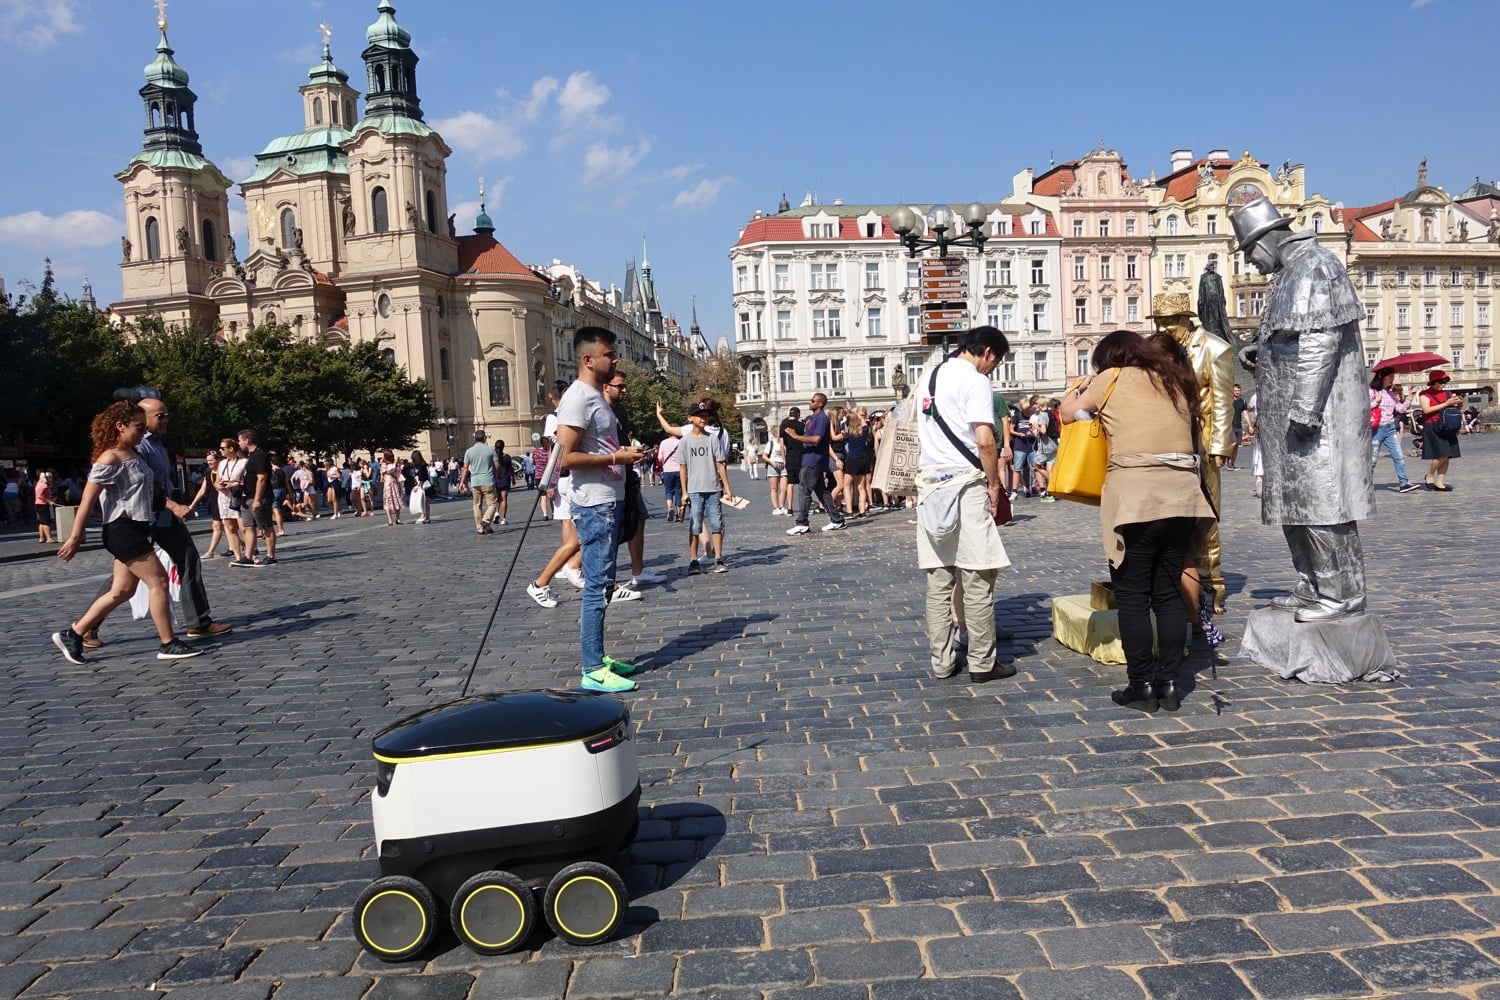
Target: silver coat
<point x="1311" y="369"/>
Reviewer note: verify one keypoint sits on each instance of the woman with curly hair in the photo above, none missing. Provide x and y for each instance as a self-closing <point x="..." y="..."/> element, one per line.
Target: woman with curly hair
<point x="390" y="480"/>
<point x="122" y="484"/>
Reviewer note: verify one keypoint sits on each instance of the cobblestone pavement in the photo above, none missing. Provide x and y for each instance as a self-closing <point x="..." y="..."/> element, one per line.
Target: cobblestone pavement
<point x="821" y="818"/>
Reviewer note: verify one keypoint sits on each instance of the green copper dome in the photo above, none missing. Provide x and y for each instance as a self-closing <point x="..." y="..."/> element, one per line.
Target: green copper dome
<point x="164" y="71"/>
<point x="385" y="32"/>
<point x="326" y="70"/>
<point x="483" y="223"/>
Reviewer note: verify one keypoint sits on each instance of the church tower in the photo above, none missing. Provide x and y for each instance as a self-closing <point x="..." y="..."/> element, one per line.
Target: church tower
<point x="176" y="204"/>
<point x="397" y="164"/>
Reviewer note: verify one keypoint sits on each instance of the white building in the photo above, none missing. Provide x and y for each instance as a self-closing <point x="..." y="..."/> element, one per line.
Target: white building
<point x="826" y="299"/>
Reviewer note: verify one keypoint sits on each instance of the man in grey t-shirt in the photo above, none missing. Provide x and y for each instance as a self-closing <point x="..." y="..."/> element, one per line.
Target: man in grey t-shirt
<point x="588" y="437"/>
<point x="479" y="474"/>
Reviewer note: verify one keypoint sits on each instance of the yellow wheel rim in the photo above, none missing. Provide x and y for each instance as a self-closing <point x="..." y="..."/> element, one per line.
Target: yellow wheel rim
<point x="510" y="898"/>
<point x="396" y="896"/>
<point x="585" y="882"/>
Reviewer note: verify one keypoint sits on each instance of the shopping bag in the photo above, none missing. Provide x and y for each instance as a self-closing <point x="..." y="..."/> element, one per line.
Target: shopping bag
<point x="897" y="457"/>
<point x="414" y="502"/>
<point x="1082" y="458"/>
<point x="140" y="601"/>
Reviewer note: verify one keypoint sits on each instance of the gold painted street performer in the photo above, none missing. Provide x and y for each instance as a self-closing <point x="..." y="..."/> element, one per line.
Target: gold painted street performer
<point x="1314" y="435"/>
<point x="1212" y="361"/>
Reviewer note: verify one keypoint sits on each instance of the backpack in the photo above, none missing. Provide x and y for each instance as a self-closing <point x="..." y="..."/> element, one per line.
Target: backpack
<point x="1054" y="425"/>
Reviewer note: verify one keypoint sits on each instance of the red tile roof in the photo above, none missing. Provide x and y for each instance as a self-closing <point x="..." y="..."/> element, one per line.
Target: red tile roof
<point x="1353" y="220"/>
<point x="1056" y="180"/>
<point x="1183" y="184"/>
<point x="481" y="254"/>
<point x="778" y="229"/>
<point x="322" y="279"/>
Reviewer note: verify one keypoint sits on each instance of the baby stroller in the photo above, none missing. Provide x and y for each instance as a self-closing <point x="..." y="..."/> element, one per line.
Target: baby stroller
<point x="1414" y="424"/>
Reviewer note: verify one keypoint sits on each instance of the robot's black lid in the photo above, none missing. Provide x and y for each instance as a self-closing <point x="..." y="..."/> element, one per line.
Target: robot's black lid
<point x="487" y="722"/>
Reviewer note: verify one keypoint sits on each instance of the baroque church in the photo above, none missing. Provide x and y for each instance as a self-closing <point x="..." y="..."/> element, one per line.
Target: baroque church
<point x="351" y="240"/>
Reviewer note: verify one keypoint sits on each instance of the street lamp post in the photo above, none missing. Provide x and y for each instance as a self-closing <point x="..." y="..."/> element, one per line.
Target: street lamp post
<point x="940" y="220"/>
<point x="342" y="415"/>
<point x="450" y="431"/>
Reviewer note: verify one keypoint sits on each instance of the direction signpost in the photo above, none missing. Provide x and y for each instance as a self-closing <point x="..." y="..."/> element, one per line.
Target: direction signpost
<point x="945" y="298"/>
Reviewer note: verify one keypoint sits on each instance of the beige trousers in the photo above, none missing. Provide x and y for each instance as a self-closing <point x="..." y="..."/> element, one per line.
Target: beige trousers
<point x="979" y="615"/>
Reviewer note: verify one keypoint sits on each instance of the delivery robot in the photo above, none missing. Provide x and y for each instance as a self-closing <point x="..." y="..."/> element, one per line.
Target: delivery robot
<point x="482" y="803"/>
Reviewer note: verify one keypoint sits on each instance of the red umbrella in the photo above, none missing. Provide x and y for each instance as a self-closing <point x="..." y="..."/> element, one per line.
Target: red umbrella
<point x="1404" y="364"/>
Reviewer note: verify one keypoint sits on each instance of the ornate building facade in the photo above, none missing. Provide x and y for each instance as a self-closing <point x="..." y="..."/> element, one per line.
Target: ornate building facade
<point x="1104" y="218"/>
<point x="827" y="300"/>
<point x="1190" y="210"/>
<point x="351" y="239"/>
<point x="1425" y="266"/>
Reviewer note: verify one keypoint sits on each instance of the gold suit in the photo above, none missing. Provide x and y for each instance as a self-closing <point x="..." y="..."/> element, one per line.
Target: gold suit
<point x="1213" y="365"/>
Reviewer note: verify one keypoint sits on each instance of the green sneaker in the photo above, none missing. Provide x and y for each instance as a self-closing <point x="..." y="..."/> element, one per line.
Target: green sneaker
<point x="618" y="666"/>
<point x="605" y="679"/>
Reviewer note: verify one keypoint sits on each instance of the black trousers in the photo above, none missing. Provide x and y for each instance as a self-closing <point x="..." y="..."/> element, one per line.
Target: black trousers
<point x="1149" y="579"/>
<point x="178" y="543"/>
<point x="813" y="482"/>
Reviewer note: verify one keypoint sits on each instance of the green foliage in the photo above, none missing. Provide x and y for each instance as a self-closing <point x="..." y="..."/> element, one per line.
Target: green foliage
<point x="63" y="364"/>
<point x="639" y="405"/>
<point x="718" y="376"/>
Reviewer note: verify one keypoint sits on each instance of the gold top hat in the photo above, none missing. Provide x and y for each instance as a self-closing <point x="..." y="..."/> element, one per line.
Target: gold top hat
<point x="1169" y="305"/>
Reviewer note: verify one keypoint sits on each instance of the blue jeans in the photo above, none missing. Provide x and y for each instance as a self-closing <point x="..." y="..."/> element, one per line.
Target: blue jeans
<point x="596" y="539"/>
<point x="705" y="506"/>
<point x="1386" y="438"/>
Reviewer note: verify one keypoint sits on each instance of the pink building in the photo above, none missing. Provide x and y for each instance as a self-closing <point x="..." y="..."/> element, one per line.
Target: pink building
<point x="1106" y="262"/>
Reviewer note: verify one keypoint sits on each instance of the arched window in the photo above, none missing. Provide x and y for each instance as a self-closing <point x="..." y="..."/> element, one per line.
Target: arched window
<point x="431" y="212"/>
<point x="445" y="368"/>
<point x="288" y="228"/>
<point x="318" y="111"/>
<point x="1317" y="222"/>
<point x="270" y="319"/>
<point x="379" y="86"/>
<point x="210" y="240"/>
<point x="499" y="372"/>
<point x="388" y="355"/>
<point x="380" y="216"/>
<point x="182" y="118"/>
<point x="153" y="239"/>
<point x="1171" y="225"/>
<point x="752" y="380"/>
<point x="155" y="115"/>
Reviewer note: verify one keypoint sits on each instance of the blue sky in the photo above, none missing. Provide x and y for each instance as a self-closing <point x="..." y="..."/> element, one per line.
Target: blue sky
<point x="596" y="123"/>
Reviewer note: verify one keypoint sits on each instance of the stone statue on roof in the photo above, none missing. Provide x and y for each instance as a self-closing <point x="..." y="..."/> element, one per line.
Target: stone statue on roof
<point x="1205" y="171"/>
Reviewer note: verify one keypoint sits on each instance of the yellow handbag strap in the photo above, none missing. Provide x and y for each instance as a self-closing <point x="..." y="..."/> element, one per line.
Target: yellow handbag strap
<point x="1106" y="391"/>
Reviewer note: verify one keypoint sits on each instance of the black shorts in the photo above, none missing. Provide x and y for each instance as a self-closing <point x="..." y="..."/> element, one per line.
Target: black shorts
<point x="127" y="540"/>
<point x="859" y="466"/>
<point x="259" y="517"/>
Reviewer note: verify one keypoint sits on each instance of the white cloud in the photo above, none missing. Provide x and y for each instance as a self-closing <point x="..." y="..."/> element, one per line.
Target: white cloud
<point x="530" y="108"/>
<point x="36" y="24"/>
<point x="237" y="168"/>
<point x="702" y="194"/>
<point x="485" y="137"/>
<point x="600" y="160"/>
<point x="681" y="172"/>
<point x="579" y="101"/>
<point x="78" y="228"/>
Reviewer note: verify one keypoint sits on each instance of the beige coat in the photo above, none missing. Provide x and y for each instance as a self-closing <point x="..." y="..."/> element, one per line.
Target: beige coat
<point x="1143" y="482"/>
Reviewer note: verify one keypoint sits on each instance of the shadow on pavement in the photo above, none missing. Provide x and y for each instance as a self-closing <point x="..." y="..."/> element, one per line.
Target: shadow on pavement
<point x="701" y="638"/>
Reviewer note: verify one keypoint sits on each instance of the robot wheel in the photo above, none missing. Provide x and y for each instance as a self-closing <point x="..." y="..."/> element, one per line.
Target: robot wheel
<point x="395" y="918"/>
<point x="585" y="903"/>
<point x="493" y="912"/>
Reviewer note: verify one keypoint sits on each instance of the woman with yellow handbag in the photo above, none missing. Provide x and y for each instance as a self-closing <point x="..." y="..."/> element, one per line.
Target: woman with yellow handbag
<point x="1152" y="508"/>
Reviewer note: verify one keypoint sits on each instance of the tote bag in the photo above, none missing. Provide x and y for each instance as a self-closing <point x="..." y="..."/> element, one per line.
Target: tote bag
<point x="899" y="454"/>
<point x="1082" y="458"/>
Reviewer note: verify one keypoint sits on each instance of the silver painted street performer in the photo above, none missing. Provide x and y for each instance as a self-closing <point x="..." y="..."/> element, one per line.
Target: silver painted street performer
<point x="1314" y="414"/>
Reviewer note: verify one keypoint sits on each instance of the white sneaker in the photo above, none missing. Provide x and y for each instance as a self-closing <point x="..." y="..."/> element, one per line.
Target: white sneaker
<point x="573" y="576"/>
<point x="833" y="526"/>
<point x="646" y="576"/>
<point x="625" y="592"/>
<point x="798" y="529"/>
<point x="502" y="522"/>
<point x="542" y="595"/>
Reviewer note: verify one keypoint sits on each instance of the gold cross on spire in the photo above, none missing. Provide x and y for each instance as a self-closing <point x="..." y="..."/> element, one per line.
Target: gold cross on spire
<point x="326" y="30"/>
<point x="161" y="14"/>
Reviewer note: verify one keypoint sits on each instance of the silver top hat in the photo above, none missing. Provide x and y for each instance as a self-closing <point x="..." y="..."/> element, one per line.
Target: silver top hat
<point x="1254" y="219"/>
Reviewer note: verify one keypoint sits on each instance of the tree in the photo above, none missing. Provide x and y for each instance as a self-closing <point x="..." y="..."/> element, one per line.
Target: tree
<point x="639" y="403"/>
<point x="718" y="377"/>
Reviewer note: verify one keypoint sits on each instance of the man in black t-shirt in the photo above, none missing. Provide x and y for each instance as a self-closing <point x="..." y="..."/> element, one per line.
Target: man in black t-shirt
<point x="255" y="513"/>
<point x="791" y="445"/>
